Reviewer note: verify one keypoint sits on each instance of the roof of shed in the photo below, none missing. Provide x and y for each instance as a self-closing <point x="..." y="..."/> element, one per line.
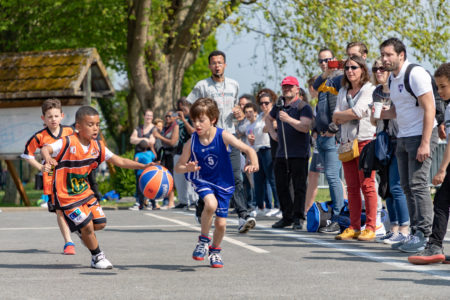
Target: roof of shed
<point x="55" y="73"/>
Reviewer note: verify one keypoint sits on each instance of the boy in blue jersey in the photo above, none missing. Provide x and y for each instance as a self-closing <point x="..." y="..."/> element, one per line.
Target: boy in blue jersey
<point x="206" y="164"/>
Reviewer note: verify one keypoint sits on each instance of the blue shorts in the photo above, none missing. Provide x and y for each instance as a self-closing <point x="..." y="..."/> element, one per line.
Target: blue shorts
<point x="316" y="164"/>
<point x="223" y="196"/>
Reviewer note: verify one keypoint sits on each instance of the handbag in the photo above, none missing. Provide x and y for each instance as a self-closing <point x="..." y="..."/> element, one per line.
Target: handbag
<point x="348" y="151"/>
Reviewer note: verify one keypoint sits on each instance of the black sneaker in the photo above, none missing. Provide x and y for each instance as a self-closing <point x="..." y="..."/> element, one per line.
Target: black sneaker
<point x="180" y="206"/>
<point x="432" y="254"/>
<point x="298" y="225"/>
<point x="282" y="223"/>
<point x="332" y="228"/>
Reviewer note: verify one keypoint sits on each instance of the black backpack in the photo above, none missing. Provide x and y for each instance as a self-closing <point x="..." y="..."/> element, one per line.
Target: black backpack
<point x="438" y="102"/>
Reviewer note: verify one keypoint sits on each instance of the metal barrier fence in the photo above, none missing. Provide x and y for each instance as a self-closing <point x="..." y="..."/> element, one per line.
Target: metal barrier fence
<point x="438" y="154"/>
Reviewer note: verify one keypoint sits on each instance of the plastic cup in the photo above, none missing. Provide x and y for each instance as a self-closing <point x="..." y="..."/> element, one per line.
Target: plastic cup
<point x="378" y="107"/>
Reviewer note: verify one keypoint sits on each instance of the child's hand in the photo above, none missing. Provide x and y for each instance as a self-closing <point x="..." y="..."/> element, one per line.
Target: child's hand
<point x="192" y="166"/>
<point x="153" y="163"/>
<point x="48" y="166"/>
<point x="251" y="168"/>
<point x="438" y="178"/>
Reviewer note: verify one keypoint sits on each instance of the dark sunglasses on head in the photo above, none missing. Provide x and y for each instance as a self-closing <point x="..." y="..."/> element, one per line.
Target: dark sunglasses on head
<point x="264" y="103"/>
<point x="325" y="60"/>
<point x="346" y="68"/>
<point x="375" y="69"/>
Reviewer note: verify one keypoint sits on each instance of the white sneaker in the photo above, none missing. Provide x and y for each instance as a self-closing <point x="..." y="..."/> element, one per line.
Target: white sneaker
<point x="253" y="213"/>
<point x="99" y="261"/>
<point x="271" y="212"/>
<point x="134" y="207"/>
<point x="44" y="204"/>
<point x="279" y="214"/>
<point x="246" y="224"/>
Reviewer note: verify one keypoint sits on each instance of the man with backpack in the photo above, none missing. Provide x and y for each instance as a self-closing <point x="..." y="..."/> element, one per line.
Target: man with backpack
<point x="411" y="90"/>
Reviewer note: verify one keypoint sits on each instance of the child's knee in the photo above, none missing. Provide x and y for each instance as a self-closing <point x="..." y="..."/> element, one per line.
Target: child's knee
<point x="99" y="226"/>
<point x="220" y="223"/>
<point x="88" y="229"/>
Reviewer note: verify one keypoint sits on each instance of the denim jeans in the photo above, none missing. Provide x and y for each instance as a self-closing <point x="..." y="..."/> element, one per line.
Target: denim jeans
<point x="328" y="152"/>
<point x="396" y="204"/>
<point x="414" y="177"/>
<point x="262" y="177"/>
<point x="295" y="170"/>
<point x="239" y="200"/>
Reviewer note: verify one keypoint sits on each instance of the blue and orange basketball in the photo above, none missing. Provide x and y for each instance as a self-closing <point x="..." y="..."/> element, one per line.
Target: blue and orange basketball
<point x="156" y="182"/>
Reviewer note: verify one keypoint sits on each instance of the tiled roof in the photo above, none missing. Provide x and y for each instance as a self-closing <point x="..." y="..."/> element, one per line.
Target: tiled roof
<point x="57" y="73"/>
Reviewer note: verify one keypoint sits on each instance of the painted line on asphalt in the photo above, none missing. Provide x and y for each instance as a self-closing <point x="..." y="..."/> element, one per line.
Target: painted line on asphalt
<point x="402" y="264"/>
<point x="228" y="239"/>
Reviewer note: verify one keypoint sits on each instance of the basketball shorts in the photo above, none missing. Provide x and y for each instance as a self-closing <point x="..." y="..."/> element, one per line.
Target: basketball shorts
<point x="223" y="196"/>
<point x="80" y="216"/>
<point x="316" y="164"/>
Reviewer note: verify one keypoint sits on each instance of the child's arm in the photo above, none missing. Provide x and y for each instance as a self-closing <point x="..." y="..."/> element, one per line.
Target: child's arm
<point x="230" y="139"/>
<point x="50" y="162"/>
<point x="440" y="175"/>
<point x="34" y="163"/>
<point x="184" y="165"/>
<point x="126" y="163"/>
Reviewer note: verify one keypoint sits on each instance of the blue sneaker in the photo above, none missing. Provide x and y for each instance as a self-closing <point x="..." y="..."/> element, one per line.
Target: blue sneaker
<point x="396" y="238"/>
<point x="416" y="244"/>
<point x="387" y="236"/>
<point x="215" y="260"/>
<point x="201" y="248"/>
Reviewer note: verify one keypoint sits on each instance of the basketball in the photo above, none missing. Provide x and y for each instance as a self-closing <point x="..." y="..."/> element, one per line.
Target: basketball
<point x="156" y="182"/>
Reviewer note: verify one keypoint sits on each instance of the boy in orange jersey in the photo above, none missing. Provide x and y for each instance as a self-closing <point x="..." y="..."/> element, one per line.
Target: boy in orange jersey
<point x="51" y="115"/>
<point x="73" y="158"/>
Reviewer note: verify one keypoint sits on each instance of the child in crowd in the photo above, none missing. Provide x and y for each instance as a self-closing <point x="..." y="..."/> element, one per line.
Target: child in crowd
<point x="52" y="116"/>
<point x="206" y="161"/>
<point x="73" y="159"/>
<point x="433" y="252"/>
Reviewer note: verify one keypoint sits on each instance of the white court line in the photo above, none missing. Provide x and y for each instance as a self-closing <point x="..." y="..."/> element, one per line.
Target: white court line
<point x="228" y="239"/>
<point x="107" y="227"/>
<point x="401" y="264"/>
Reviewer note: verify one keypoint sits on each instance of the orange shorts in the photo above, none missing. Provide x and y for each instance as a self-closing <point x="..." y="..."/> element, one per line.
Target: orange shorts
<point x="80" y="216"/>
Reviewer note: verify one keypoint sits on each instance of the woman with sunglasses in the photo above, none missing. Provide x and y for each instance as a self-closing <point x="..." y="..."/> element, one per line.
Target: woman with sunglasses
<point x="169" y="137"/>
<point x="353" y="114"/>
<point x="396" y="202"/>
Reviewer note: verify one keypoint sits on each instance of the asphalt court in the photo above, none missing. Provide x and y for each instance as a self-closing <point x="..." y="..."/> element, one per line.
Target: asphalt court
<point x="151" y="253"/>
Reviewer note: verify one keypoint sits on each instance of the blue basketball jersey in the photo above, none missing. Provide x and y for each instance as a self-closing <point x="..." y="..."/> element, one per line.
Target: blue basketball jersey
<point x="214" y="162"/>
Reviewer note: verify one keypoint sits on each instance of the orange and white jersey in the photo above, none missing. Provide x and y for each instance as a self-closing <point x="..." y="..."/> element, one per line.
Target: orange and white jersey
<point x="44" y="137"/>
<point x="71" y="186"/>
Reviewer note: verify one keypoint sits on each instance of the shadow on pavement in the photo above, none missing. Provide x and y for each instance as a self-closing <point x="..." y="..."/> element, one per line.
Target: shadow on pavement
<point x="44" y="267"/>
<point x="178" y="268"/>
<point x="432" y="282"/>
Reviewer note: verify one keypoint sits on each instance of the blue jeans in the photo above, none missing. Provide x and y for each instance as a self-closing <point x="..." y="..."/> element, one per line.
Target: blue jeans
<point x="414" y="177"/>
<point x="328" y="152"/>
<point x="263" y="177"/>
<point x="396" y="204"/>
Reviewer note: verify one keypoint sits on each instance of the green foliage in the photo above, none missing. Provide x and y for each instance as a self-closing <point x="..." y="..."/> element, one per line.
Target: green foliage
<point x="124" y="180"/>
<point x="47" y="24"/>
<point x="299" y="28"/>
<point x="199" y="70"/>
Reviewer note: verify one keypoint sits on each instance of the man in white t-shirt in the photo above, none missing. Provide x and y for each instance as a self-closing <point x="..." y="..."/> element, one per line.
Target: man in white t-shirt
<point x="416" y="139"/>
<point x="225" y="92"/>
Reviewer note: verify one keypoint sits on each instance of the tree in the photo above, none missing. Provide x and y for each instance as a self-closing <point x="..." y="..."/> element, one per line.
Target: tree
<point x="297" y="29"/>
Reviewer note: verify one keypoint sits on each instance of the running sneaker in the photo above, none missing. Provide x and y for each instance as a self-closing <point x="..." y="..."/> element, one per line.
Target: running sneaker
<point x="202" y="248"/>
<point x="253" y="213"/>
<point x="387" y="236"/>
<point x="332" y="228"/>
<point x="99" y="261"/>
<point x="397" y="245"/>
<point x="415" y="244"/>
<point x="215" y="260"/>
<point x="135" y="207"/>
<point x="246" y="224"/>
<point x="69" y="248"/>
<point x="432" y="254"/>
<point x="397" y="237"/>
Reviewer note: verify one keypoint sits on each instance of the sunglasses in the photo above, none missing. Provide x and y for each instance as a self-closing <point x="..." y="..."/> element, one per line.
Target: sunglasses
<point x="168" y="116"/>
<point x="264" y="103"/>
<point x="346" y="68"/>
<point x="376" y="69"/>
<point x="325" y="60"/>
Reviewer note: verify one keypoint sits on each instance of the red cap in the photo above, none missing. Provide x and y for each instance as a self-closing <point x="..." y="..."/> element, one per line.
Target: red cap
<point x="290" y="80"/>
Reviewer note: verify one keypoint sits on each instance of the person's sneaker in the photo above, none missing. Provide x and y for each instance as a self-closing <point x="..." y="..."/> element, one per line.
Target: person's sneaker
<point x="298" y="225"/>
<point x="253" y="213"/>
<point x="99" y="261"/>
<point x="278" y="215"/>
<point x="447" y="260"/>
<point x="282" y="223"/>
<point x="432" y="254"/>
<point x="397" y="237"/>
<point x="179" y="206"/>
<point x="387" y="236"/>
<point x="347" y="234"/>
<point x="366" y="235"/>
<point x="246" y="224"/>
<point x="215" y="260"/>
<point x="332" y="228"/>
<point x="134" y="207"/>
<point x="202" y="247"/>
<point x="69" y="248"/>
<point x="271" y="212"/>
<point x="397" y="245"/>
<point x="415" y="244"/>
